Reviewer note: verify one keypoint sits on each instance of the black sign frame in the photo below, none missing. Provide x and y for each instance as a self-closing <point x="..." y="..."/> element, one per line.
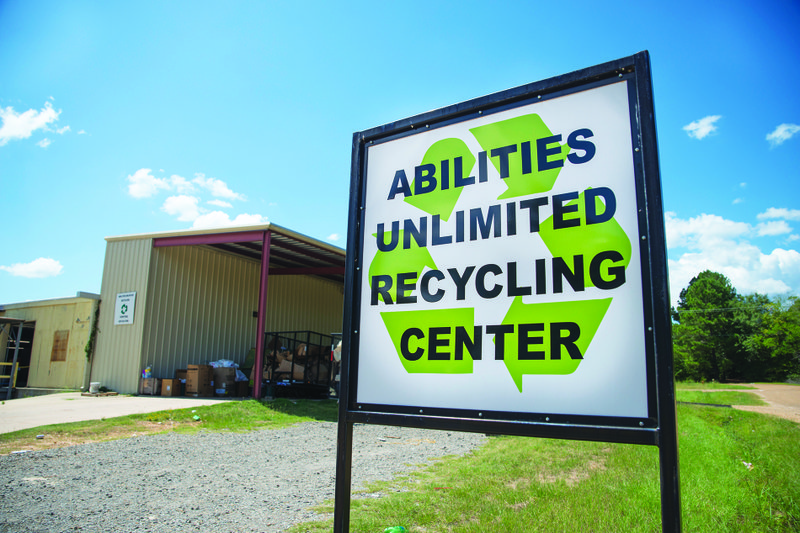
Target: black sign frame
<point x="659" y="428"/>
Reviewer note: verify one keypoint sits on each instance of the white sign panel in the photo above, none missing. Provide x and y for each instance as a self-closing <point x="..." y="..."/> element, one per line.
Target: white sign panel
<point x="124" y="307"/>
<point x="501" y="263"/>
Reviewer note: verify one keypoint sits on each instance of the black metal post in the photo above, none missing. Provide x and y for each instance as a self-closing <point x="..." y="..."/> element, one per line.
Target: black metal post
<point x="344" y="462"/>
<point x="670" y="481"/>
<point x="662" y="324"/>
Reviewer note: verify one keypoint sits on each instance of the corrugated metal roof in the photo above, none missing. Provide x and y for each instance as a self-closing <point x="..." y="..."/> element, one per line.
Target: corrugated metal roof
<point x="290" y="252"/>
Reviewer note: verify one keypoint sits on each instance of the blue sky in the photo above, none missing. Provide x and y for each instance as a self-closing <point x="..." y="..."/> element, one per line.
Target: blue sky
<point x="121" y="118"/>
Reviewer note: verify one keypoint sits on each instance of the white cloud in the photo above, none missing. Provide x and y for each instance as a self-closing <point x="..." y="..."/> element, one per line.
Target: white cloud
<point x="216" y="187"/>
<point x="81" y="132"/>
<point x="44" y="267"/>
<point x="772" y="228"/>
<point x="249" y="220"/>
<point x="743" y="184"/>
<point x="187" y="196"/>
<point x="702" y="128"/>
<point x="180" y="184"/>
<point x="62" y="131"/>
<point x="704" y="231"/>
<point x="721" y="245"/>
<point x="142" y="184"/>
<point x="333" y="237"/>
<point x="44" y="143"/>
<point x="214" y="219"/>
<point x="737" y="201"/>
<point x="782" y="133"/>
<point x="22" y="125"/>
<point x="779" y="212"/>
<point x="218" y="219"/>
<point x="185" y="207"/>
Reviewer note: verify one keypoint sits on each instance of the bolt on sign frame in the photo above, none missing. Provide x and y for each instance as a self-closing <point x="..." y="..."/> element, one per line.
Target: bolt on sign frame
<point x="506" y="272"/>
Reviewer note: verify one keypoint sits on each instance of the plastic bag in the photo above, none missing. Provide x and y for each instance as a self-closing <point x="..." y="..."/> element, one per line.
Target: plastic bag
<point x="223" y="363"/>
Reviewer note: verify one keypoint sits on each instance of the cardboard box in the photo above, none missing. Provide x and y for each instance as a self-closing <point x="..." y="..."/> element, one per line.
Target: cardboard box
<point x="206" y="391"/>
<point x="224" y="381"/>
<point x="242" y="389"/>
<point x="198" y="380"/>
<point x="149" y="386"/>
<point x="170" y="387"/>
<point x="180" y="375"/>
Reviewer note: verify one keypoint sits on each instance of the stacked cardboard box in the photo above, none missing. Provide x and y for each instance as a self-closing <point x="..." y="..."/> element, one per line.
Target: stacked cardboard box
<point x="224" y="381"/>
<point x="170" y="387"/>
<point x="198" y="380"/>
<point x="180" y="375"/>
<point x="150" y="386"/>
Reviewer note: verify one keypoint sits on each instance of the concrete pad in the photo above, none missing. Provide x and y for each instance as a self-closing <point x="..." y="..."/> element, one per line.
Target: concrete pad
<point x="24" y="413"/>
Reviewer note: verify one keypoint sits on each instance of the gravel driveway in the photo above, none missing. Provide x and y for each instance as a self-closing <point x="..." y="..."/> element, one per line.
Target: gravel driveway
<point x="262" y="481"/>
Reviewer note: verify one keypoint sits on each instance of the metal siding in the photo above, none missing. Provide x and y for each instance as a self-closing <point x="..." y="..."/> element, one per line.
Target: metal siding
<point x="201" y="308"/>
<point x="304" y="303"/>
<point x="117" y="362"/>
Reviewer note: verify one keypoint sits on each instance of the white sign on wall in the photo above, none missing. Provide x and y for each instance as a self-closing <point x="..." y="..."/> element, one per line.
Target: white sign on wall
<point x="501" y="263"/>
<point x="124" y="307"/>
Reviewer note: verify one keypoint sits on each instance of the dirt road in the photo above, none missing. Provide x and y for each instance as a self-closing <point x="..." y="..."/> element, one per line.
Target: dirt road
<point x="783" y="400"/>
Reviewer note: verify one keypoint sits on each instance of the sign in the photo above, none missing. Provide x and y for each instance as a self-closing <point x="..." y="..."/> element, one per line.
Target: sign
<point x="124" y="307"/>
<point x="506" y="271"/>
<point x="502" y="269"/>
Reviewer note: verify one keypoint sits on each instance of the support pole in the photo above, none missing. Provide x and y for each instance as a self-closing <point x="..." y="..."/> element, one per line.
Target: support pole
<point x="668" y="456"/>
<point x="262" y="311"/>
<point x="344" y="464"/>
<point x="12" y="378"/>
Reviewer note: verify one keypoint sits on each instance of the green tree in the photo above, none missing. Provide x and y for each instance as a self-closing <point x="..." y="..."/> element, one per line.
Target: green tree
<point x="703" y="335"/>
<point x="749" y="316"/>
<point x="775" y="348"/>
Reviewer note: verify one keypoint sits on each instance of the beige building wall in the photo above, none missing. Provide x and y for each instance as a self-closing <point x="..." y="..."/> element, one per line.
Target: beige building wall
<point x="118" y="353"/>
<point x="70" y="319"/>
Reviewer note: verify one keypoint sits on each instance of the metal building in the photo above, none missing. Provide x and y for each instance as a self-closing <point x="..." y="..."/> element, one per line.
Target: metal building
<point x="196" y="296"/>
<point x="47" y="340"/>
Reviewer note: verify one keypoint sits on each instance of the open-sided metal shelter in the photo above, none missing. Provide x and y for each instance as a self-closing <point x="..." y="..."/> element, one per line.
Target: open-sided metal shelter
<point x="202" y="295"/>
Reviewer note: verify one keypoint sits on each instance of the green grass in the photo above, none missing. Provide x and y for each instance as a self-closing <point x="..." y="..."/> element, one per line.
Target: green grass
<point x="694" y="385"/>
<point x="246" y="415"/>
<point x="515" y="484"/>
<point x="719" y="398"/>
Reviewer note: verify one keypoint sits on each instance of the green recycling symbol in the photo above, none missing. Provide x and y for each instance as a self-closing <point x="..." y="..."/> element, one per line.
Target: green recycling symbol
<point x="586" y="240"/>
<point x="124" y="309"/>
